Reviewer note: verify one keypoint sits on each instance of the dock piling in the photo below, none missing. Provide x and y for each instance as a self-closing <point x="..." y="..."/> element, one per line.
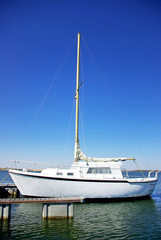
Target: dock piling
<point x="52" y="207"/>
<point x="5" y="211"/>
<point x="57" y="210"/>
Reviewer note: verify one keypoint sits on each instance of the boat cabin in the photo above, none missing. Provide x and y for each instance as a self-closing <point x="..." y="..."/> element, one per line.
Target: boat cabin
<point x="89" y="170"/>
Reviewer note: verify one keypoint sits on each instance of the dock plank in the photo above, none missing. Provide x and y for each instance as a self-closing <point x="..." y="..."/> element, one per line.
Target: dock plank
<point x="40" y="200"/>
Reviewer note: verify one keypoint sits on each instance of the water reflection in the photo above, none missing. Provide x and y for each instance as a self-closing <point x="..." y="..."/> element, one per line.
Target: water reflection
<point x="125" y="220"/>
<point x="121" y="220"/>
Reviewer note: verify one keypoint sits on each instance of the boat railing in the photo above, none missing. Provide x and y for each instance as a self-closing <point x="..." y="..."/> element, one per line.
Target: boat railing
<point x="139" y="173"/>
<point x="36" y="166"/>
<point x="130" y="174"/>
<point x="30" y="166"/>
<point x="154" y="171"/>
<point x="127" y="174"/>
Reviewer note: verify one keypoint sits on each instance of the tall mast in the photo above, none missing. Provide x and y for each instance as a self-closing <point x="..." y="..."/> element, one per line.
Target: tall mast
<point x="77" y="93"/>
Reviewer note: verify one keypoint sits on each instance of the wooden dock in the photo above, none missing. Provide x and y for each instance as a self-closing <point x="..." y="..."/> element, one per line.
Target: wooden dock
<point x="52" y="207"/>
<point x="40" y="200"/>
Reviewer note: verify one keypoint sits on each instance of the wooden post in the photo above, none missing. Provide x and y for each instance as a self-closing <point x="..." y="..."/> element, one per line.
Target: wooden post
<point x="5" y="211"/>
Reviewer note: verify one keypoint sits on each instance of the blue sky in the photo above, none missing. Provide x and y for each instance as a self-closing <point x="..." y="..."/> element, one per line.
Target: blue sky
<point x="121" y="92"/>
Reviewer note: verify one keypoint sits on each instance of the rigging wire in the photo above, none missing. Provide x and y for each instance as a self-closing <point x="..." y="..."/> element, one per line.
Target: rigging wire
<point x="69" y="124"/>
<point x="44" y="99"/>
<point x="139" y="168"/>
<point x="83" y="137"/>
<point x="6" y="178"/>
<point x="99" y="72"/>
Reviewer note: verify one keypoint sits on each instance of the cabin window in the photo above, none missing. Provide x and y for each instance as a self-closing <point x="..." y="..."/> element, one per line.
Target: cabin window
<point x="100" y="170"/>
<point x="69" y="173"/>
<point x="59" y="173"/>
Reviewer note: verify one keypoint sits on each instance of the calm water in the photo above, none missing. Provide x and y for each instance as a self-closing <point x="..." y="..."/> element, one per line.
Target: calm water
<point x="124" y="220"/>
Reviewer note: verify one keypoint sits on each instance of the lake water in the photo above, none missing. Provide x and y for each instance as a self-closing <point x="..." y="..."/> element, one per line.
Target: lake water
<point x="133" y="220"/>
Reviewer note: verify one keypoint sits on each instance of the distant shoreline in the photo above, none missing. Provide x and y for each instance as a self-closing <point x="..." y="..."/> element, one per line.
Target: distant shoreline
<point x="4" y="169"/>
<point x="30" y="170"/>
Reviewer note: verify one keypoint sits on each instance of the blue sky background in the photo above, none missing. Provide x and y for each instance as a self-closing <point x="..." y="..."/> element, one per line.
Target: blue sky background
<point x="121" y="93"/>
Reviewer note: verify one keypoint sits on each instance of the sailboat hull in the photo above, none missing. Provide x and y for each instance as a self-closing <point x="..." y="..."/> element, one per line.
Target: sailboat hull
<point x="33" y="184"/>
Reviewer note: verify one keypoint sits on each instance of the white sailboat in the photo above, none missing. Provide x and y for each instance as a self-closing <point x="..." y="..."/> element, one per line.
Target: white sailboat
<point x="88" y="177"/>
